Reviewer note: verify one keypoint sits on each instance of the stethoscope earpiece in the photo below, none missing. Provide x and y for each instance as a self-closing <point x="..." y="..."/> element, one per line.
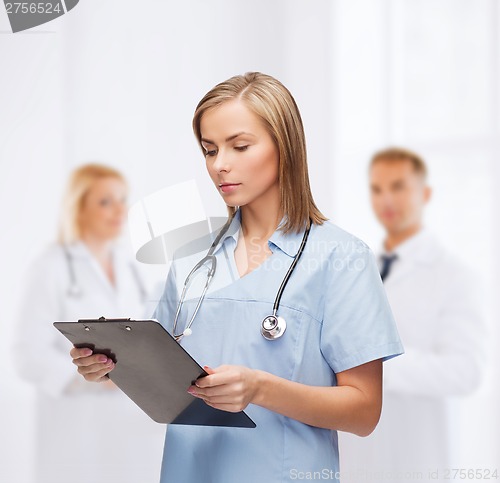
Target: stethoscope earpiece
<point x="273" y="327"/>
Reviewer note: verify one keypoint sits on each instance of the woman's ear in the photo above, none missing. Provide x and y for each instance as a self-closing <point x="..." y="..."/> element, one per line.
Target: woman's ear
<point x="427" y="194"/>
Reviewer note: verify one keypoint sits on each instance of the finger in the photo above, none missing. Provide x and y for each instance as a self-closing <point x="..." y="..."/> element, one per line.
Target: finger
<point x="94" y="368"/>
<point x="209" y="370"/>
<point x="99" y="376"/>
<point x="95" y="359"/>
<point x="224" y="407"/>
<point x="206" y="381"/>
<point x="210" y="391"/>
<point x="77" y="353"/>
<point x="229" y="400"/>
<point x="216" y="379"/>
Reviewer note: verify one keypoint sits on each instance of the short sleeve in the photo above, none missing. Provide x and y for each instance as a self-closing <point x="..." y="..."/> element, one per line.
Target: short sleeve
<point x="167" y="305"/>
<point x="358" y="325"/>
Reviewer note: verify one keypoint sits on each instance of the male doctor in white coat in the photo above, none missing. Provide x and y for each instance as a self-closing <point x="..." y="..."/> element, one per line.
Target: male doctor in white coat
<point x="434" y="298"/>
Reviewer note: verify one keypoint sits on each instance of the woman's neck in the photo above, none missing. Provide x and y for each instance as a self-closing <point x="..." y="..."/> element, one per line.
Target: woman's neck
<point x="260" y="218"/>
<point x="99" y="247"/>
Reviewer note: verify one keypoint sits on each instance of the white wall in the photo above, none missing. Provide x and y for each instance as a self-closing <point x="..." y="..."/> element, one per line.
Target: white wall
<point x="32" y="170"/>
<point x="118" y="82"/>
<point x="131" y="92"/>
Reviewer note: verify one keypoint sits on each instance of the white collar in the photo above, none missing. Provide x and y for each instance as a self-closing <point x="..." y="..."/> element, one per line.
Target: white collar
<point x="420" y="247"/>
<point x="79" y="249"/>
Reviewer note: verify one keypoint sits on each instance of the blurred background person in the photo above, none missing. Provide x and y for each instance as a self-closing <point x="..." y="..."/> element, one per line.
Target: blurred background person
<point x="434" y="298"/>
<point x="88" y="273"/>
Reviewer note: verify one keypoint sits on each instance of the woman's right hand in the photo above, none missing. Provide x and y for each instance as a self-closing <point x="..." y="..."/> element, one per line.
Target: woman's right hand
<point x="93" y="367"/>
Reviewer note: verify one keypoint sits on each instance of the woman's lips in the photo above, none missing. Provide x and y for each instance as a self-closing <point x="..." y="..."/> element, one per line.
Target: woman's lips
<point x="388" y="215"/>
<point x="229" y="188"/>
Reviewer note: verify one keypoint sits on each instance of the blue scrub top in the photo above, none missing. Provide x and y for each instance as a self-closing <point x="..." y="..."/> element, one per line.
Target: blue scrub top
<point x="338" y="317"/>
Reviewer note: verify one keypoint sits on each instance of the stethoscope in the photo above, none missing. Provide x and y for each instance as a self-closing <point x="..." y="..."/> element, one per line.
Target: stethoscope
<point x="273" y="326"/>
<point x="75" y="290"/>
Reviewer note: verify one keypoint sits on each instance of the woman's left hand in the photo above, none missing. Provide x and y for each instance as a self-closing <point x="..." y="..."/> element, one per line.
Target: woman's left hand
<point x="227" y="387"/>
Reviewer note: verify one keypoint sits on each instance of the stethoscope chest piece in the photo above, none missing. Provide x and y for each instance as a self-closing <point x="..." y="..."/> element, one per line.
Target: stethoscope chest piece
<point x="273" y="327"/>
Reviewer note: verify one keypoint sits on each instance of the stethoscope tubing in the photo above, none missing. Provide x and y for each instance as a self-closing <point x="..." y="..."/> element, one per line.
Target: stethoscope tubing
<point x="209" y="257"/>
<point x="279" y="323"/>
<point x="75" y="290"/>
<point x="290" y="270"/>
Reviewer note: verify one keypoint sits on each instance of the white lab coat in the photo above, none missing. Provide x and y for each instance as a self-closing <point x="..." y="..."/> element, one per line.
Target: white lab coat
<point x="85" y="432"/>
<point x="436" y="304"/>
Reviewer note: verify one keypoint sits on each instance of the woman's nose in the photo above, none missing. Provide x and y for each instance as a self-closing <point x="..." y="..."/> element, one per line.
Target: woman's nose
<point x="222" y="161"/>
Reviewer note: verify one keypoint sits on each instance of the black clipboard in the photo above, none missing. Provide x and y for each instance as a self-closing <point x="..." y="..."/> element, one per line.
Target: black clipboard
<point x="152" y="369"/>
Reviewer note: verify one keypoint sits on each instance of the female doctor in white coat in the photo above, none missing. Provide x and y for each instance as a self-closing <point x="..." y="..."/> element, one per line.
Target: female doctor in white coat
<point x="85" y="275"/>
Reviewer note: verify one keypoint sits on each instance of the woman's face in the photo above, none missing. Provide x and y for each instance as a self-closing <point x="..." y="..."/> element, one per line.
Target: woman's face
<point x="104" y="209"/>
<point x="242" y="158"/>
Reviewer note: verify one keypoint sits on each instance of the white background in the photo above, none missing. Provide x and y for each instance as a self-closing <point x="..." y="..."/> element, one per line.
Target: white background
<point x="117" y="81"/>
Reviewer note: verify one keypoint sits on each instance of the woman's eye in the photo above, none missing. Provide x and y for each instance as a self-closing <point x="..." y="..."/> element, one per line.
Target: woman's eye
<point x="210" y="152"/>
<point x="105" y="202"/>
<point x="241" y="148"/>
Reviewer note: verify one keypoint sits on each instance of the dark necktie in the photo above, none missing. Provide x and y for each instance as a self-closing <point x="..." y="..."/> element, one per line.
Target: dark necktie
<point x="387" y="261"/>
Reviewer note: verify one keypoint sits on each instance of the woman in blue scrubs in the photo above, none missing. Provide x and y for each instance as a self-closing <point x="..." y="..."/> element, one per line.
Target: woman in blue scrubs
<point x="324" y="373"/>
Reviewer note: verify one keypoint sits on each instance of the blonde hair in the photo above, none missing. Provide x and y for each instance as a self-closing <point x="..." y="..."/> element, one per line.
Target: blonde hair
<point x="79" y="184"/>
<point x="396" y="154"/>
<point x="271" y="101"/>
